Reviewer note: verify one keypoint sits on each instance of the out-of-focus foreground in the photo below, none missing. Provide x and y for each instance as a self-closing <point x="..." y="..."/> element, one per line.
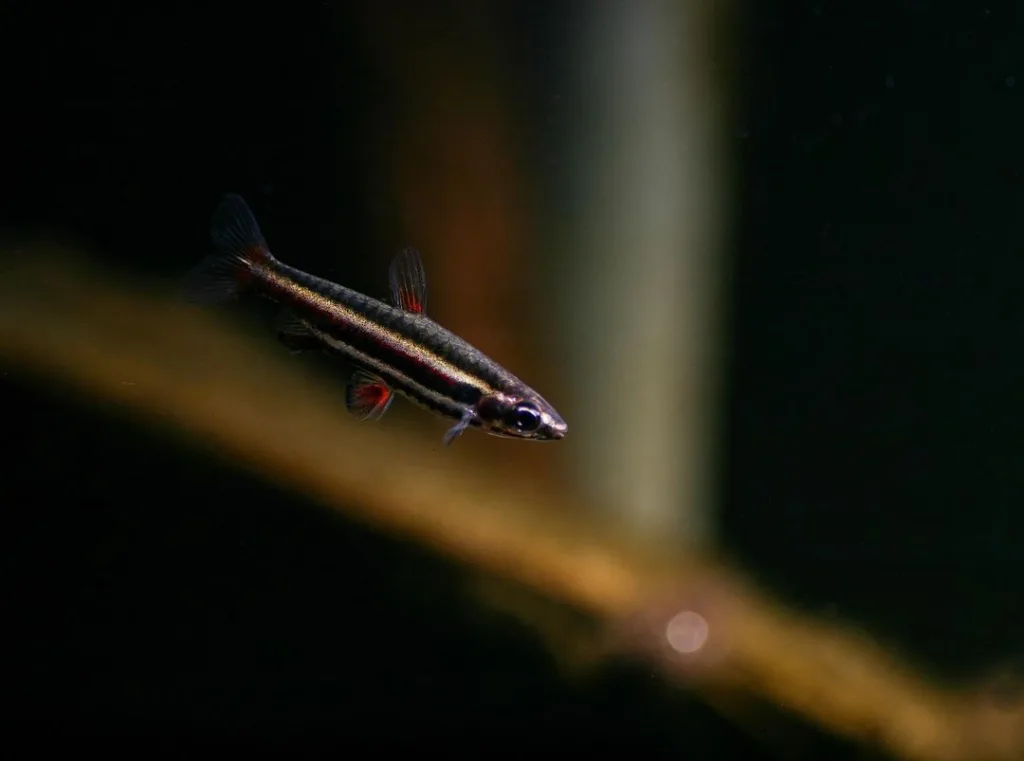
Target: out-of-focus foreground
<point x="699" y="623"/>
<point x="746" y="250"/>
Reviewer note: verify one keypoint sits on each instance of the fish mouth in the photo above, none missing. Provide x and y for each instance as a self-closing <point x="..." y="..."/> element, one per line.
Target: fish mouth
<point x="558" y="430"/>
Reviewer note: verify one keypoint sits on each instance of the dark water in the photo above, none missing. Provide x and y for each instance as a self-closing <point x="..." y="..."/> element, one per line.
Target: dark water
<point x="871" y="457"/>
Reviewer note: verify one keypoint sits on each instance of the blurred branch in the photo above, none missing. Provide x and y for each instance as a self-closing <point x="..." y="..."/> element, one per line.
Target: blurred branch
<point x="700" y="623"/>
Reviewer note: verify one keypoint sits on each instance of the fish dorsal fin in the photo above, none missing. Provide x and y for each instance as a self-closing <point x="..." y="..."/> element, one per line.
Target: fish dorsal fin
<point x="409" y="281"/>
<point x="367" y="396"/>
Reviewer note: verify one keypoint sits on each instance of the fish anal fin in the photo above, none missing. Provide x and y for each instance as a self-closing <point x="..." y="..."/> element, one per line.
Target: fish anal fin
<point x="295" y="334"/>
<point x="367" y="397"/>
<point x="408" y="281"/>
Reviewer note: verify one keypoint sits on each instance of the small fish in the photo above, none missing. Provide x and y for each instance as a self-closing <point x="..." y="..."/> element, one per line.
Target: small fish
<point x="394" y="348"/>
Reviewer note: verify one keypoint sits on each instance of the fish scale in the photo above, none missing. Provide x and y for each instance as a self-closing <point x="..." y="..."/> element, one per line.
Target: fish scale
<point x="393" y="348"/>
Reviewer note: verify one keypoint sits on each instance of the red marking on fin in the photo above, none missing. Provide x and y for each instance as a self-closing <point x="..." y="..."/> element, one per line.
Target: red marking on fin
<point x="367" y="396"/>
<point x="408" y="281"/>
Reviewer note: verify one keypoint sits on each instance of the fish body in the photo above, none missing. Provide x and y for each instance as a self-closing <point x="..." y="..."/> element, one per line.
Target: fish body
<point x="394" y="347"/>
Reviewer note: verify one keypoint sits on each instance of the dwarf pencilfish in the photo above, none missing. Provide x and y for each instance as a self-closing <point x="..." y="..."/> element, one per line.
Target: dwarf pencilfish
<point x="392" y="348"/>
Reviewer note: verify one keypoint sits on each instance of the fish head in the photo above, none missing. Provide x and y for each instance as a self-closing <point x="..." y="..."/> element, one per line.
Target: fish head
<point x="523" y="414"/>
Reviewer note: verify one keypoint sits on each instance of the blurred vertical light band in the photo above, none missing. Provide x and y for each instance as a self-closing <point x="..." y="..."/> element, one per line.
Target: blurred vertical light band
<point x="643" y="316"/>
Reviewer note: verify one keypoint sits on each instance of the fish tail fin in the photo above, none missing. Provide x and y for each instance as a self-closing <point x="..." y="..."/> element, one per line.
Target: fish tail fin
<point x="240" y="252"/>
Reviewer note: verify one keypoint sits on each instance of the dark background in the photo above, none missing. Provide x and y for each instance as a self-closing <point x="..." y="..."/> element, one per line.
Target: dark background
<point x="871" y="462"/>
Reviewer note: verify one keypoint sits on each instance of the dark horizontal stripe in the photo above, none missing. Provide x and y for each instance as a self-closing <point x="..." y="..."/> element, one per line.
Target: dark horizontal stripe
<point x="353" y="323"/>
<point x="408" y="387"/>
<point x="427" y="334"/>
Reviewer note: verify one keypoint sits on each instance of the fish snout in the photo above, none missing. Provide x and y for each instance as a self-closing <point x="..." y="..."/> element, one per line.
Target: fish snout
<point x="558" y="428"/>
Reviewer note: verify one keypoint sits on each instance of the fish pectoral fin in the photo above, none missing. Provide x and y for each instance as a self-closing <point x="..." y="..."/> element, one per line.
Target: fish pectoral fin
<point x="295" y="334"/>
<point x="367" y="396"/>
<point x="408" y="281"/>
<point x="456" y="430"/>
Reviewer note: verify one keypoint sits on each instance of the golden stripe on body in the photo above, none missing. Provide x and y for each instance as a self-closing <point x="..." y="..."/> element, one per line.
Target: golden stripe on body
<point x="343" y="313"/>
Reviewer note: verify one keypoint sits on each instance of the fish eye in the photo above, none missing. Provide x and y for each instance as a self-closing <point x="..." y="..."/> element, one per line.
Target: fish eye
<point x="525" y="418"/>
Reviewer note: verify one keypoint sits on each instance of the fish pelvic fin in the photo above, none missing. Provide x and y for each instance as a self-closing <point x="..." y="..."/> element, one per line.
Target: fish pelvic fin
<point x="239" y="251"/>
